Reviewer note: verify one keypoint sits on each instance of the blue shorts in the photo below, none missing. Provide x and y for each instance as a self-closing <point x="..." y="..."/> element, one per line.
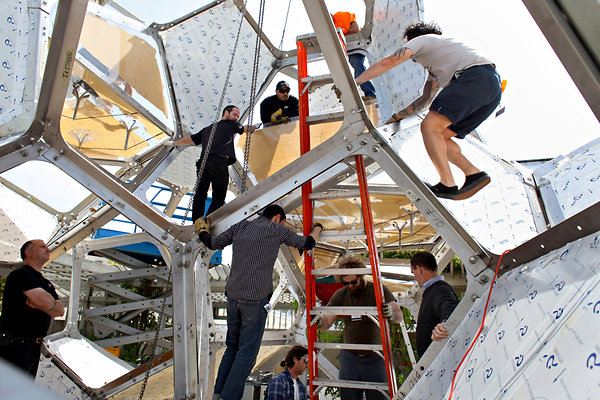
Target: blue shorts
<point x="471" y="96"/>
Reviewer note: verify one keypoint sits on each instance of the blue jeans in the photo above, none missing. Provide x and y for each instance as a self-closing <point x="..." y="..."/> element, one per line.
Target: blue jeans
<point x="358" y="63"/>
<point x="245" y="327"/>
<point x="364" y="369"/>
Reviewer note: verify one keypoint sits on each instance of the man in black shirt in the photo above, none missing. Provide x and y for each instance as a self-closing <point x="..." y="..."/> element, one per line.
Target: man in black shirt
<point x="439" y="301"/>
<point x="29" y="304"/>
<point x="279" y="108"/>
<point x="220" y="156"/>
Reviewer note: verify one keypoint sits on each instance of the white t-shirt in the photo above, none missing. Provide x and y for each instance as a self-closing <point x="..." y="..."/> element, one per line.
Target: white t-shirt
<point x="443" y="57"/>
<point x="296" y="390"/>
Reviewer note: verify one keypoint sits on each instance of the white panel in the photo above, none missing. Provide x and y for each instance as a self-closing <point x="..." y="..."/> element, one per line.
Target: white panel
<point x="52" y="378"/>
<point x="22" y="37"/>
<point x="404" y="82"/>
<point x="198" y="54"/>
<point x="499" y="217"/>
<point x="540" y="335"/>
<point x="574" y="182"/>
<point x="94" y="366"/>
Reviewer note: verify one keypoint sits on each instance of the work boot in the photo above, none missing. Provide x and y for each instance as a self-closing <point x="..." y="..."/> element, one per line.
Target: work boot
<point x="443" y="191"/>
<point x="473" y="184"/>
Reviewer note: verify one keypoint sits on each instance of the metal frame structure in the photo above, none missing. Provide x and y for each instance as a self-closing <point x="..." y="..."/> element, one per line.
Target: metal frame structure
<point x="194" y="331"/>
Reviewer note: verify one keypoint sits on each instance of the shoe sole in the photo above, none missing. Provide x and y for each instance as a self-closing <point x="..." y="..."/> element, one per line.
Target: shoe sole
<point x="471" y="192"/>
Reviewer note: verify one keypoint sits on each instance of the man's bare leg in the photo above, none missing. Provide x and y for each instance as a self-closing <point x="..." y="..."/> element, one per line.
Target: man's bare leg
<point x="455" y="155"/>
<point x="434" y="128"/>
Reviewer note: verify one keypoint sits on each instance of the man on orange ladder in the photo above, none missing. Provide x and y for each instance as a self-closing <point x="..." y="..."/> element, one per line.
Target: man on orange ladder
<point x="360" y="365"/>
<point x="220" y="156"/>
<point x="471" y="91"/>
<point x="438" y="303"/>
<point x="347" y="23"/>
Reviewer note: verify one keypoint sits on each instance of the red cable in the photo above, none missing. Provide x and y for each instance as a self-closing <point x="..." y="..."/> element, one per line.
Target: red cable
<point x="480" y="328"/>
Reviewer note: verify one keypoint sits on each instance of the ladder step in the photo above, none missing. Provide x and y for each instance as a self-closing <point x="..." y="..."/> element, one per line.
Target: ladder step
<point x="342" y="271"/>
<point x="351" y="234"/>
<point x="329" y="117"/>
<point x="342" y="310"/>
<point x="318" y="80"/>
<point x="351" y="384"/>
<point x="349" y="346"/>
<point x="335" y="194"/>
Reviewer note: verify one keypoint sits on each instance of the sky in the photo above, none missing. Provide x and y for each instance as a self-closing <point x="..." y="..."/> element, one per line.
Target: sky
<point x="543" y="106"/>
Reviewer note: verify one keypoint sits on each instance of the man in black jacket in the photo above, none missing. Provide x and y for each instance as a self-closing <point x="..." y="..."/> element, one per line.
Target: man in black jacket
<point x="279" y="108"/>
<point x="220" y="156"/>
<point x="439" y="301"/>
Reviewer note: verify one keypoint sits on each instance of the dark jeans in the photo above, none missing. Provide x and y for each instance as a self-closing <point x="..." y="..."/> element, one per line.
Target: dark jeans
<point x="217" y="174"/>
<point x="23" y="356"/>
<point x="358" y="63"/>
<point x="245" y="327"/>
<point x="365" y="369"/>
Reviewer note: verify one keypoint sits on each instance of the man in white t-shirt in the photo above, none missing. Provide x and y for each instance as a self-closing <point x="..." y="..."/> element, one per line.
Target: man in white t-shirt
<point x="471" y="91"/>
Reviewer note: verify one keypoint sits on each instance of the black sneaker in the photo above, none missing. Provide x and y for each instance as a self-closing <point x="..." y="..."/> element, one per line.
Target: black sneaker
<point x="443" y="191"/>
<point x="473" y="184"/>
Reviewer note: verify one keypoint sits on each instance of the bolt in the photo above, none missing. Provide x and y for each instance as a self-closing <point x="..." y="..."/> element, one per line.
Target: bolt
<point x="188" y="250"/>
<point x="472" y="259"/>
<point x="25" y="153"/>
<point x="376" y="148"/>
<point x="164" y="236"/>
<point x="474" y="297"/>
<point x="55" y="158"/>
<point x="348" y="147"/>
<point x="192" y="396"/>
<point x="62" y="151"/>
<point x="483" y="279"/>
<point x="363" y="142"/>
<point x="178" y="327"/>
<point x="177" y="249"/>
<point x="187" y="264"/>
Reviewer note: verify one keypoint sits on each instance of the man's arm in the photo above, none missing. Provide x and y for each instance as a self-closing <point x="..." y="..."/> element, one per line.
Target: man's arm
<point x="39" y="299"/>
<point x="397" y="312"/>
<point x="385" y="64"/>
<point x="447" y="302"/>
<point x="430" y="90"/>
<point x="326" y="322"/>
<point x="353" y="28"/>
<point x="184" y="141"/>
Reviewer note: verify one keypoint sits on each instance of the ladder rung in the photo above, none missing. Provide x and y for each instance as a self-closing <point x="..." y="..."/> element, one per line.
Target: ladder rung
<point x="318" y="80"/>
<point x="342" y="271"/>
<point x="349" y="346"/>
<point x="329" y="117"/>
<point x="351" y="384"/>
<point x="352" y="234"/>
<point x="335" y="194"/>
<point x="342" y="310"/>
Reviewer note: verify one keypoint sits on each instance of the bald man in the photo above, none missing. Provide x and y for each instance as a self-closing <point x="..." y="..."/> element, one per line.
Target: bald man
<point x="28" y="306"/>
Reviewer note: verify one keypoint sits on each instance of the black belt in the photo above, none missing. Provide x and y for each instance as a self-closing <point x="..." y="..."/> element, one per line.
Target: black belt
<point x="25" y="340"/>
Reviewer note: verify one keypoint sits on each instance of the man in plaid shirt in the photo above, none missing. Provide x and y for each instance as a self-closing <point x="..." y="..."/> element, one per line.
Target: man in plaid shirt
<point x="286" y="385"/>
<point x="249" y="288"/>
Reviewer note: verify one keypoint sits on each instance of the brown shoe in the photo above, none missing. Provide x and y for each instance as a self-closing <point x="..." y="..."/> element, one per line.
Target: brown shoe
<point x="368" y="98"/>
<point x="473" y="184"/>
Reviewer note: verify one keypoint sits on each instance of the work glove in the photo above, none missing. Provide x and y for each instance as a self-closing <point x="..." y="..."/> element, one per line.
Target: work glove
<point x="387" y="311"/>
<point x="202" y="224"/>
<point x="284" y="119"/>
<point x="275" y="117"/>
<point x="337" y="91"/>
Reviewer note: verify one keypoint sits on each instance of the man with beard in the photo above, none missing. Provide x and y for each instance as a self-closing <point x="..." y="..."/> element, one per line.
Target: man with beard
<point x="360" y="365"/>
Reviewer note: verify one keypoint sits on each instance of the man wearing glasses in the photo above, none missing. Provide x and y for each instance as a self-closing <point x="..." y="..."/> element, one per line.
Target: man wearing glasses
<point x="360" y="365"/>
<point x="279" y="108"/>
<point x="286" y="385"/>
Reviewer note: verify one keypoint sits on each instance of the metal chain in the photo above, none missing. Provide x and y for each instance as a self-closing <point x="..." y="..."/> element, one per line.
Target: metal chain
<point x="285" y="24"/>
<point x="214" y="125"/>
<point x="255" y="68"/>
<point x="154" y="342"/>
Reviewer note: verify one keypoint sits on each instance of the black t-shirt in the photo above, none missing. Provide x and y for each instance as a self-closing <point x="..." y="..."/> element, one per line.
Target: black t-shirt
<point x="272" y="104"/>
<point x="17" y="317"/>
<point x="222" y="143"/>
<point x="439" y="300"/>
